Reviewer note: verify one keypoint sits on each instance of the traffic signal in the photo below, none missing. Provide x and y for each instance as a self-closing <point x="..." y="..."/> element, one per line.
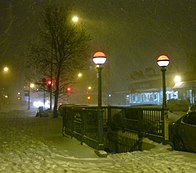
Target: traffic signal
<point x="68" y="89"/>
<point x="49" y="85"/>
<point x="49" y="82"/>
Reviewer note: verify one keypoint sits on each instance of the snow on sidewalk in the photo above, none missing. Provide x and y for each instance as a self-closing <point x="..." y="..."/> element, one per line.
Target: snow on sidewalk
<point x="35" y="145"/>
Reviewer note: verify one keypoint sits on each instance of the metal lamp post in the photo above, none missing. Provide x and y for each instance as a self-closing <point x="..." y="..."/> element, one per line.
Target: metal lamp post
<point x="163" y="62"/>
<point x="99" y="58"/>
<point x="31" y="86"/>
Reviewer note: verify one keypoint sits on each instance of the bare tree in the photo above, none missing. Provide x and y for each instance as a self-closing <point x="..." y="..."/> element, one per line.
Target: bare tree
<point x="61" y="49"/>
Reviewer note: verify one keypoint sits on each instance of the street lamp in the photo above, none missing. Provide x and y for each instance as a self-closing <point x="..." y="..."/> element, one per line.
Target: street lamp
<point x="177" y="79"/>
<point x="75" y="19"/>
<point x="99" y="58"/>
<point x="6" y="69"/>
<point x="79" y="75"/>
<point x="163" y="62"/>
<point x="31" y="86"/>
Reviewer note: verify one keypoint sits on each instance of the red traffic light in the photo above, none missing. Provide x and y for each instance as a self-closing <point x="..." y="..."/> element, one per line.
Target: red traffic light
<point x="68" y="89"/>
<point x="49" y="82"/>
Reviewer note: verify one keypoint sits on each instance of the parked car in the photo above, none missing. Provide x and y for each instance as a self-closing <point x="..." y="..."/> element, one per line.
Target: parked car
<point x="192" y="108"/>
<point x="183" y="133"/>
<point x="177" y="105"/>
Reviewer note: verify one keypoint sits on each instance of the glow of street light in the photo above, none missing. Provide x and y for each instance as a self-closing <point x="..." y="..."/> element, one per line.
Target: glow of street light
<point x="163" y="61"/>
<point x="75" y="19"/>
<point x="32" y="85"/>
<point x="89" y="88"/>
<point x="178" y="82"/>
<point x="99" y="58"/>
<point x="177" y="79"/>
<point x="79" y="74"/>
<point x="5" y="69"/>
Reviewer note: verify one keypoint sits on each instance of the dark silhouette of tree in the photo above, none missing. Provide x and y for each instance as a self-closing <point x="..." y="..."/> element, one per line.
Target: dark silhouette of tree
<point x="60" y="49"/>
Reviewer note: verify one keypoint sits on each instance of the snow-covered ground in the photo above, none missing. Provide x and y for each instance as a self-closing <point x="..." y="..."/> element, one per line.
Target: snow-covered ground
<point x="36" y="145"/>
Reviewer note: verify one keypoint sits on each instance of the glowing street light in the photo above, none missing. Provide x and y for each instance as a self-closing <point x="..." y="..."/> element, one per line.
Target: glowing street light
<point x="163" y="62"/>
<point x="5" y="69"/>
<point x="99" y="58"/>
<point x="75" y="19"/>
<point x="79" y="75"/>
<point x="32" y="85"/>
<point x="177" y="79"/>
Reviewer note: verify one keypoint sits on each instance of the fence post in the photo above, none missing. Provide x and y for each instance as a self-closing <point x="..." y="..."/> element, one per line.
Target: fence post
<point x="140" y="128"/>
<point x="109" y="115"/>
<point x="64" y="114"/>
<point x="72" y="120"/>
<point x="83" y="123"/>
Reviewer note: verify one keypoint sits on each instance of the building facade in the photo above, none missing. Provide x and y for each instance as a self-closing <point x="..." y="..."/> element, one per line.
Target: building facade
<point x="149" y="91"/>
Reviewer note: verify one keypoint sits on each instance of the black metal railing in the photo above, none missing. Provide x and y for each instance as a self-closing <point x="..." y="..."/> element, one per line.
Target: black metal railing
<point x="124" y="127"/>
<point x="82" y="123"/>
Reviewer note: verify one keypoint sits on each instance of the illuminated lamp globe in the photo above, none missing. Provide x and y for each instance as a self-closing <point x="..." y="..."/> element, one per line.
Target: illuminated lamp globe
<point x="177" y="79"/>
<point x="99" y="58"/>
<point x="75" y="19"/>
<point x="5" y="69"/>
<point x="163" y="61"/>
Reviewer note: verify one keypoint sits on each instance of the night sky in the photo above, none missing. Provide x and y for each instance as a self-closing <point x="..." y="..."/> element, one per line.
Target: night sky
<point x="131" y="32"/>
<point x="134" y="33"/>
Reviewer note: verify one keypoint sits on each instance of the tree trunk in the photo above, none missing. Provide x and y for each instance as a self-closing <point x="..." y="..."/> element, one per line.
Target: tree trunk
<point x="56" y="95"/>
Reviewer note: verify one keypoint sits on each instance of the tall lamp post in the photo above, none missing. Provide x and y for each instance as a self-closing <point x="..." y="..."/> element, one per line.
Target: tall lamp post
<point x="99" y="58"/>
<point x="163" y="62"/>
<point x="31" y="86"/>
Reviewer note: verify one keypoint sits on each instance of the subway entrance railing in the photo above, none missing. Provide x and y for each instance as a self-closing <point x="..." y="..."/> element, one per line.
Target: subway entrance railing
<point x="124" y="128"/>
